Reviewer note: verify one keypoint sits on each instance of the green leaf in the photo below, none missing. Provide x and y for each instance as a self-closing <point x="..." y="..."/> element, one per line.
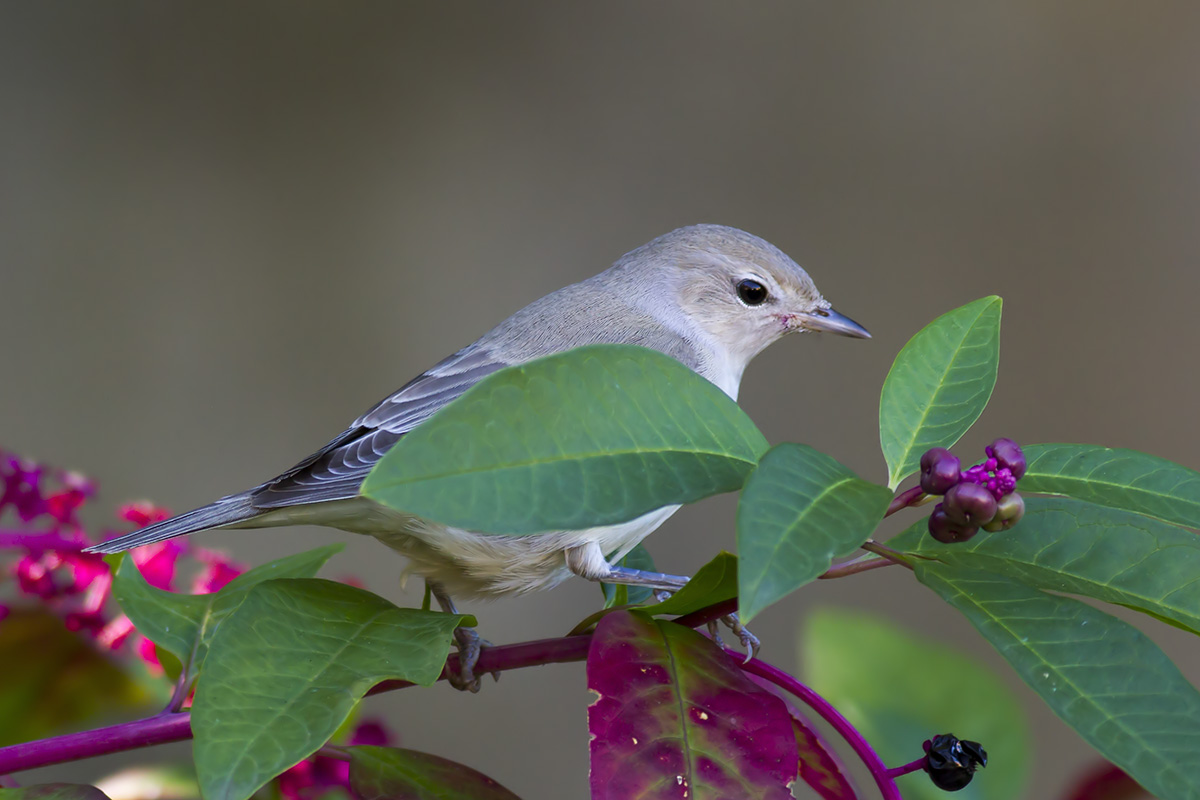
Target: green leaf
<point x="286" y="668"/>
<point x="713" y="583"/>
<point x="391" y="773"/>
<point x="618" y="594"/>
<point x="594" y="436"/>
<point x="184" y="624"/>
<point x="55" y="679"/>
<point x="1123" y="479"/>
<point x="54" y="791"/>
<point x="800" y="510"/>
<point x="1103" y="677"/>
<point x="1066" y="545"/>
<point x="938" y="385"/>
<point x="881" y="678"/>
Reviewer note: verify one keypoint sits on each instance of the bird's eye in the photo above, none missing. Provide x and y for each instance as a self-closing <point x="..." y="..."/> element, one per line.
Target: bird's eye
<point x="752" y="293"/>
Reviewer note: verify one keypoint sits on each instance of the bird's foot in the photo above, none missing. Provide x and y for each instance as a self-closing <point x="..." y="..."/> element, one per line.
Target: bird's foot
<point x="470" y="645"/>
<point x="750" y="642"/>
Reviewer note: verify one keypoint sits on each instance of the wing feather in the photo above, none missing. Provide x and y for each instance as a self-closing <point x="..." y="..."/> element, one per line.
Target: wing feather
<point x="337" y="470"/>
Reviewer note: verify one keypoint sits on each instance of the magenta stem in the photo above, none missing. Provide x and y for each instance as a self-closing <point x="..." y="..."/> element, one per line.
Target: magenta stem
<point x="879" y="770"/>
<point x="912" y="766"/>
<point x="905" y="499"/>
<point x="99" y="742"/>
<point x="166" y="728"/>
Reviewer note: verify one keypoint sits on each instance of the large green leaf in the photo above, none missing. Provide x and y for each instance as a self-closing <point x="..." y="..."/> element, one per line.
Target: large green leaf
<point x="800" y="510"/>
<point x="286" y="668"/>
<point x="594" y="436"/>
<point x="1066" y="545"/>
<point x="53" y="679"/>
<point x="184" y="624"/>
<point x="939" y="384"/>
<point x="897" y="689"/>
<point x="1124" y="479"/>
<point x="1103" y="677"/>
<point x="391" y="773"/>
<point x="54" y="791"/>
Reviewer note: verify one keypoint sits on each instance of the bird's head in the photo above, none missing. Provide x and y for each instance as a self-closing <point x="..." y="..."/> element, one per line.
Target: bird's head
<point x="742" y="291"/>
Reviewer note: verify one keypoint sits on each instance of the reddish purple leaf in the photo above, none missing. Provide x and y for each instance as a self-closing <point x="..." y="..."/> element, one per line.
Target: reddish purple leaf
<point x="677" y="718"/>
<point x="820" y="767"/>
<point x="391" y="773"/>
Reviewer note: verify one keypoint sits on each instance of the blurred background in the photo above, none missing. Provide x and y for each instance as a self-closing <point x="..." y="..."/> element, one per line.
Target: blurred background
<point x="227" y="230"/>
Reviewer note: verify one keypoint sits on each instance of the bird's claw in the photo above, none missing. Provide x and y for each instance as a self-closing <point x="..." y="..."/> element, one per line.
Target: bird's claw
<point x="470" y="645"/>
<point x="750" y="642"/>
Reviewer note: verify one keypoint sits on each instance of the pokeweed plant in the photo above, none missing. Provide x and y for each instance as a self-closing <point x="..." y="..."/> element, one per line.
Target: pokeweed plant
<point x="269" y="666"/>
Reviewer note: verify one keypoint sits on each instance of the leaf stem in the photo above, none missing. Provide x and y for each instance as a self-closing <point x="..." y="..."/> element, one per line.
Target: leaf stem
<point x="862" y="748"/>
<point x="909" y="497"/>
<point x="894" y="556"/>
<point x="854" y="567"/>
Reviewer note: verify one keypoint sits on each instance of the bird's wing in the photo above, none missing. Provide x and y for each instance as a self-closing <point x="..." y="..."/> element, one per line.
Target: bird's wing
<point x="336" y="471"/>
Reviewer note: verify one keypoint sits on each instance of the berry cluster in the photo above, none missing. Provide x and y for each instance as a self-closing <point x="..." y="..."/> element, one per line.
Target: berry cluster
<point x="983" y="496"/>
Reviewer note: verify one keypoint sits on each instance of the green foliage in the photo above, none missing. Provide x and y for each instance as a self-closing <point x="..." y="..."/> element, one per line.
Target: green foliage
<point x="287" y="667"/>
<point x="715" y="582"/>
<point x="800" y="509"/>
<point x="54" y="791"/>
<point x="391" y="773"/>
<point x="1123" y="479"/>
<point x="595" y="436"/>
<point x="1065" y="545"/>
<point x="939" y="384"/>
<point x="184" y="624"/>
<point x="899" y="690"/>
<point x="54" y="679"/>
<point x="1103" y="677"/>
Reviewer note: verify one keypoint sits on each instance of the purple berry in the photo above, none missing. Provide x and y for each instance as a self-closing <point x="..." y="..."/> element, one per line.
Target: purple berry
<point x="939" y="471"/>
<point x="970" y="504"/>
<point x="951" y="762"/>
<point x="1009" y="456"/>
<point x="946" y="530"/>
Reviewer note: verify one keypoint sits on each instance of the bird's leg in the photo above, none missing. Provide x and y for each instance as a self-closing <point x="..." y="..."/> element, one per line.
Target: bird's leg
<point x="468" y="641"/>
<point x="587" y="561"/>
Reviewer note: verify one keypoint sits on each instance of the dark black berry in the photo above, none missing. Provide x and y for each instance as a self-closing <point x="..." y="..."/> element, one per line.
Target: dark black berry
<point x="1009" y="511"/>
<point x="752" y="292"/>
<point x="946" y="530"/>
<point x="951" y="762"/>
<point x="939" y="471"/>
<point x="1008" y="454"/>
<point x="970" y="504"/>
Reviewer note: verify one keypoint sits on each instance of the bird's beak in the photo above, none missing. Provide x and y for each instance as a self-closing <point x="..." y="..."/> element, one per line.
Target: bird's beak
<point x="826" y="320"/>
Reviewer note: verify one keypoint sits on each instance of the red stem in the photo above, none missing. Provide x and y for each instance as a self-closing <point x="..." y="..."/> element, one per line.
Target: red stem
<point x="879" y="770"/>
<point x="905" y="499"/>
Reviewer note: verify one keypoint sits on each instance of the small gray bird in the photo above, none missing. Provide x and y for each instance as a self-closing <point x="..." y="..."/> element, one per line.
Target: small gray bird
<point x="710" y="296"/>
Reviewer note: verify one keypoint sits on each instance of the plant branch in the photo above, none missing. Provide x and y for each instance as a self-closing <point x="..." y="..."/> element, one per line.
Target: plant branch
<point x="909" y="497"/>
<point x="863" y="749"/>
<point x="894" y="556"/>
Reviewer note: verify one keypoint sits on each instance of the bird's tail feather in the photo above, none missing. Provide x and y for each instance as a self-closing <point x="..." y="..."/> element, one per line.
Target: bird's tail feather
<point x="226" y="511"/>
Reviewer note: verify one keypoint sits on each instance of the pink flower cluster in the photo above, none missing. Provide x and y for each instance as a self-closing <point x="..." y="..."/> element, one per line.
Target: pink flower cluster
<point x="315" y="776"/>
<point x="48" y="539"/>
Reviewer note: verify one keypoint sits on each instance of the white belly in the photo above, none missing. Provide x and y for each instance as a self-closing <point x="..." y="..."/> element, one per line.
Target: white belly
<point x="466" y="563"/>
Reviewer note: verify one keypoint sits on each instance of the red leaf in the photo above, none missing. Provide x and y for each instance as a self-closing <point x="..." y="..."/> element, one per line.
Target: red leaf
<point x="677" y="718"/>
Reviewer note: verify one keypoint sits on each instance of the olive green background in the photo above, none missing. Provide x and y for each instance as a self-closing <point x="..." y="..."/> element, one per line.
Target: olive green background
<point x="227" y="229"/>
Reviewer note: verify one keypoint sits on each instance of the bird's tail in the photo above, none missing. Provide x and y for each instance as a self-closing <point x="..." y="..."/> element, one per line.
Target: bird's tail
<point x="225" y="512"/>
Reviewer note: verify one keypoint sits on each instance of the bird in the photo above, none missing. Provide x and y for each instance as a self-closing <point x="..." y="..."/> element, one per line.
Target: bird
<point x="710" y="296"/>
